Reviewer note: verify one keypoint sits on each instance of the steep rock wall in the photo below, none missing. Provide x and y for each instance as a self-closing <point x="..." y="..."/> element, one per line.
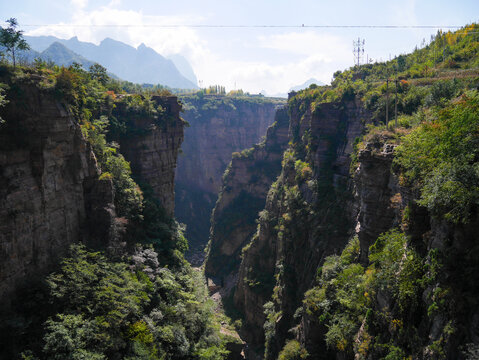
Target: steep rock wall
<point x="441" y="245"/>
<point x="51" y="195"/>
<point x="49" y="188"/>
<point x="245" y="185"/>
<point x="377" y="194"/>
<point x="219" y="126"/>
<point x="307" y="216"/>
<point x="152" y="151"/>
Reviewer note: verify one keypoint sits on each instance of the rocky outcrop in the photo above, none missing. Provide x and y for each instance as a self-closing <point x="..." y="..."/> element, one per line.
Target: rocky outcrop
<point x="51" y="195"/>
<point x="384" y="204"/>
<point x="377" y="194"/>
<point x="219" y="126"/>
<point x="49" y="187"/>
<point x="152" y="151"/>
<point x="245" y="185"/>
<point x="308" y="216"/>
<point x="315" y="207"/>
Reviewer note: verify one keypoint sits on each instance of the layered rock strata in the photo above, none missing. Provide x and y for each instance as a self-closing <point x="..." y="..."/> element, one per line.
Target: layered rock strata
<point x="308" y="216"/>
<point x="51" y="195"/>
<point x="245" y="185"/>
<point x="382" y="202"/>
<point x="49" y="188"/>
<point x="152" y="151"/>
<point x="219" y="126"/>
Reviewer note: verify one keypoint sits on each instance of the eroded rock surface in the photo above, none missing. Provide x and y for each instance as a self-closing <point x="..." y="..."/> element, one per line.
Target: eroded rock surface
<point x="219" y="126"/>
<point x="49" y="179"/>
<point x="245" y="186"/>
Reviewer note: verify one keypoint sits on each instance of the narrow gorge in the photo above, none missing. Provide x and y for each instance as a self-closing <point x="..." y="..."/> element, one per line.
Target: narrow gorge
<point x="218" y="126"/>
<point x="341" y="223"/>
<point x="356" y="252"/>
<point x="89" y="247"/>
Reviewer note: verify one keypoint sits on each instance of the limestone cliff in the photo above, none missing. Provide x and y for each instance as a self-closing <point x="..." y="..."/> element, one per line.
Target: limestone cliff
<point x="245" y="185"/>
<point x="49" y="187"/>
<point x="152" y="150"/>
<point x="219" y="126"/>
<point x="51" y="195"/>
<point x="314" y="208"/>
<point x="376" y="205"/>
<point x="307" y="216"/>
<point x="377" y="194"/>
<point x="439" y="312"/>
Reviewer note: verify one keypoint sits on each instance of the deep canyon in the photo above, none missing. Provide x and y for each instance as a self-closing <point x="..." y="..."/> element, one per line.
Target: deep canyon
<point x="324" y="226"/>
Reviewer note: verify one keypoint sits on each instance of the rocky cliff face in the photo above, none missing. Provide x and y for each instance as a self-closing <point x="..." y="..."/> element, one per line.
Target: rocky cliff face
<point x="377" y="194"/>
<point x="49" y="187"/>
<point x="377" y="208"/>
<point x="307" y="217"/>
<point x="435" y="327"/>
<point x="51" y="195"/>
<point x="152" y="151"/>
<point x="245" y="185"/>
<point x="311" y="212"/>
<point x="219" y="126"/>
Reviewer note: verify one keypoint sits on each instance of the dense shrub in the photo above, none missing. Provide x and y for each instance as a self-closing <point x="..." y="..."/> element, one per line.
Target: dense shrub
<point x="293" y="351"/>
<point x="441" y="159"/>
<point x="140" y="310"/>
<point x="345" y="298"/>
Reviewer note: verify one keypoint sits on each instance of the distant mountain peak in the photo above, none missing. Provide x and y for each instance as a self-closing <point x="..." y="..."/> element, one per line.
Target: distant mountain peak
<point x="61" y="55"/>
<point x="184" y="67"/>
<point x="110" y="41"/>
<point x="139" y="65"/>
<point x="58" y="46"/>
<point x="306" y="84"/>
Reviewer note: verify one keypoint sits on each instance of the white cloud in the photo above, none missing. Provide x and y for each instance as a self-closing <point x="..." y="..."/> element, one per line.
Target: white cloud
<point x="311" y="54"/>
<point x="131" y="27"/>
<point x="258" y="76"/>
<point x="306" y="43"/>
<point x="79" y="4"/>
<point x="318" y="56"/>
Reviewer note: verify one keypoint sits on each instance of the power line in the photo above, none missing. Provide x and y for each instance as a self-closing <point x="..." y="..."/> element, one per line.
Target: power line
<point x="255" y="26"/>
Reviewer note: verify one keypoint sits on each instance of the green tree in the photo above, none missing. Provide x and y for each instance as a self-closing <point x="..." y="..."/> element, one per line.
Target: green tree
<point x="401" y="62"/>
<point x="12" y="39"/>
<point x="98" y="73"/>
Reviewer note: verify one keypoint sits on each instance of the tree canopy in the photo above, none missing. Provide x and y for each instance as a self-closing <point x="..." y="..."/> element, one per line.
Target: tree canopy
<point x="12" y="39"/>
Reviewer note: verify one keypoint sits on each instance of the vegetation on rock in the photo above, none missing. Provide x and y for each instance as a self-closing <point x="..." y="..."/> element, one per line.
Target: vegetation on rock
<point x="146" y="304"/>
<point x="400" y="299"/>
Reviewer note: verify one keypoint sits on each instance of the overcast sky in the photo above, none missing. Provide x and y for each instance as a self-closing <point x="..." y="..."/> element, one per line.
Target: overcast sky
<point x="271" y="59"/>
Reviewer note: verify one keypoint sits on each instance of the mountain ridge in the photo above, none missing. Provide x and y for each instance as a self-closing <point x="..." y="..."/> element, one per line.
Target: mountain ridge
<point x="138" y="65"/>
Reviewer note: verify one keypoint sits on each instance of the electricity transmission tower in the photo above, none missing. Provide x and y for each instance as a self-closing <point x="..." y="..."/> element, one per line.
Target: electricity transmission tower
<point x="358" y="51"/>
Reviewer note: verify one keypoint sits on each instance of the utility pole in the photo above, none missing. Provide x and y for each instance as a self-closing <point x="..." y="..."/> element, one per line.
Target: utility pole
<point x="396" y="105"/>
<point x="358" y="51"/>
<point x="387" y="101"/>
<point x="444" y="48"/>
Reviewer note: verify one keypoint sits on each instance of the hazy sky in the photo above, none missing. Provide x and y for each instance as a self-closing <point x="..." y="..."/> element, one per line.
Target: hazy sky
<point x="255" y="59"/>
